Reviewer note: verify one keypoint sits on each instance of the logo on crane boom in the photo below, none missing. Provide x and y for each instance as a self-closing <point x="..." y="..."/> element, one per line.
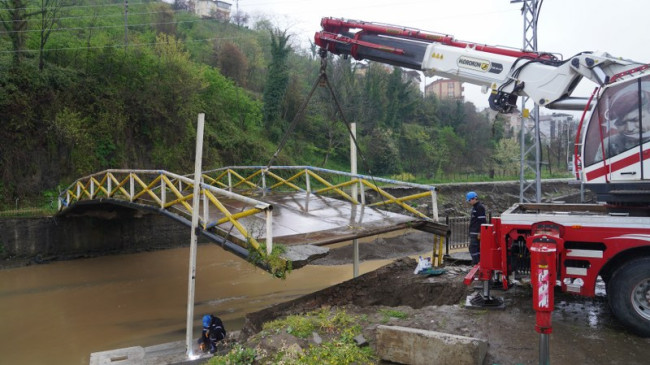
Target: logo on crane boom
<point x="477" y="64"/>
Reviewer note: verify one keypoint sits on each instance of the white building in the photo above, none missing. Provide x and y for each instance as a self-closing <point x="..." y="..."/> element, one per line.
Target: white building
<point x="216" y="9"/>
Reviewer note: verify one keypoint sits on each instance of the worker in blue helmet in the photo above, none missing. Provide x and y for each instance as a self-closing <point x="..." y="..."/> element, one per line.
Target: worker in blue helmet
<point x="213" y="332"/>
<point x="477" y="218"/>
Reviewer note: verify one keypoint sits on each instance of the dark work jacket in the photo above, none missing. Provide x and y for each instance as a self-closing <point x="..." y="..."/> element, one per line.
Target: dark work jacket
<point x="216" y="331"/>
<point x="477" y="218"/>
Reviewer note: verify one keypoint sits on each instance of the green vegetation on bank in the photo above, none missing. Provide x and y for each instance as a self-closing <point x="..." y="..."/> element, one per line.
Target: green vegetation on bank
<point x="83" y="90"/>
<point x="335" y="327"/>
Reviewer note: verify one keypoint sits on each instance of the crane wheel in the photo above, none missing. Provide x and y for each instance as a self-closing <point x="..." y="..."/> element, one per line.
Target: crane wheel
<point x="629" y="295"/>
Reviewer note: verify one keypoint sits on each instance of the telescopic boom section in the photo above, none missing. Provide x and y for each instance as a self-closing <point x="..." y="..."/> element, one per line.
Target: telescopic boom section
<point x="336" y="32"/>
<point x="507" y="72"/>
<point x="436" y="54"/>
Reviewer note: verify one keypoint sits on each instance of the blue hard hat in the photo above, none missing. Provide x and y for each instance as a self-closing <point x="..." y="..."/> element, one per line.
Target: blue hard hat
<point x="206" y="320"/>
<point x="471" y="195"/>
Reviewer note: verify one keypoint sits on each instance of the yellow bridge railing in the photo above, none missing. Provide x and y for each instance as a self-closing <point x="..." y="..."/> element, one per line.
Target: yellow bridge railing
<point x="351" y="187"/>
<point x="237" y="186"/>
<point x="171" y="192"/>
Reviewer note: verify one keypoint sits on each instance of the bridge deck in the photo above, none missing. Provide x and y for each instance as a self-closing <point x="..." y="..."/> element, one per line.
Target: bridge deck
<point x="303" y="218"/>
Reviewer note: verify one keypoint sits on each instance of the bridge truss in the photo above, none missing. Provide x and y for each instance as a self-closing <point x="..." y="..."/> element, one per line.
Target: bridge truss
<point x="235" y="200"/>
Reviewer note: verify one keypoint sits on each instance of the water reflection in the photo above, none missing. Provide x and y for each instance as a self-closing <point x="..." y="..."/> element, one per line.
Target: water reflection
<point x="61" y="312"/>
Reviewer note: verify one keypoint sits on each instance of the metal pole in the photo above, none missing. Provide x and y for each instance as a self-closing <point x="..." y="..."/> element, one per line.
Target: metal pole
<point x="126" y="23"/>
<point x="269" y="231"/>
<point x="353" y="158"/>
<point x="193" y="238"/>
<point x="355" y="266"/>
<point x="544" y="349"/>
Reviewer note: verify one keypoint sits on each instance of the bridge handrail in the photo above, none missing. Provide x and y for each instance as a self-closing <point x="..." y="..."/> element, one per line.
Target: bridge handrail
<point x="310" y="171"/>
<point x="184" y="178"/>
<point x="320" y="169"/>
<point x="101" y="184"/>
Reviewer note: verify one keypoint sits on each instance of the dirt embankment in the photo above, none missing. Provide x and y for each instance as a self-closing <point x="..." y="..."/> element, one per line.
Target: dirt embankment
<point x="584" y="330"/>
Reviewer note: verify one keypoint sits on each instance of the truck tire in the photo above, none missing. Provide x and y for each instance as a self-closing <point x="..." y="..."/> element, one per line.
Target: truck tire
<point x="629" y="295"/>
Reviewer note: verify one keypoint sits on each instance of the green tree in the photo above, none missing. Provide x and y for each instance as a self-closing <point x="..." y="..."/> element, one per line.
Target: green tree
<point x="382" y="152"/>
<point x="507" y="156"/>
<point x="14" y="17"/>
<point x="233" y="63"/>
<point x="48" y="17"/>
<point x="276" y="82"/>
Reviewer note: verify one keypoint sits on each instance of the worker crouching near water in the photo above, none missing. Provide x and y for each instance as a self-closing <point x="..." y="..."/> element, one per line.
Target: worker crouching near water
<point x="477" y="218"/>
<point x="213" y="332"/>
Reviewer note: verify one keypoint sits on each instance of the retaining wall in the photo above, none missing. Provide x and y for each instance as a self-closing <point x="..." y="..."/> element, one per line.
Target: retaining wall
<point x="98" y="232"/>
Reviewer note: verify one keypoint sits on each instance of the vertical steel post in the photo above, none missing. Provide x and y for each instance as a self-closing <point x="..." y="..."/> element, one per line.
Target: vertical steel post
<point x="109" y="184"/>
<point x="163" y="192"/>
<point x="195" y="222"/>
<point x="355" y="266"/>
<point x="353" y="159"/>
<point x="263" y="182"/>
<point x="131" y="187"/>
<point x="269" y="231"/>
<point x="206" y="209"/>
<point x="434" y="205"/>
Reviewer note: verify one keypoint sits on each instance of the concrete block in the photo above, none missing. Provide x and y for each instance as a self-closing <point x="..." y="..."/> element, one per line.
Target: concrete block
<point x="126" y="356"/>
<point x="421" y="347"/>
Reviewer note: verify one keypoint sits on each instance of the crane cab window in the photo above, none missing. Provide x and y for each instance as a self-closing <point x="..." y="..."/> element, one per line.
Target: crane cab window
<point x="621" y="121"/>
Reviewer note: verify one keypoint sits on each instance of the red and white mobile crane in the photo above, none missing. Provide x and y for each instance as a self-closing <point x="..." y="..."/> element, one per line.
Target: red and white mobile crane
<point x="565" y="245"/>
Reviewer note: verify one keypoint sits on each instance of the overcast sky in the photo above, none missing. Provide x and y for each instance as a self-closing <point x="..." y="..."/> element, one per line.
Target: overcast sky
<point x="567" y="27"/>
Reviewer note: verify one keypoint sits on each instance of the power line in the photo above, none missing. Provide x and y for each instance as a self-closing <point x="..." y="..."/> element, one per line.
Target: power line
<point x="103" y="26"/>
<point x="77" y="6"/>
<point x="98" y="16"/>
<point x="119" y="45"/>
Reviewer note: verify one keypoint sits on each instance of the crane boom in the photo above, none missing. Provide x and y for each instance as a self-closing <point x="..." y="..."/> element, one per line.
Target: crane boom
<point x="508" y="73"/>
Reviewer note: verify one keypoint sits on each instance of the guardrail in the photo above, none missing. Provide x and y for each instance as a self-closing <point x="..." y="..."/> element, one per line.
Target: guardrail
<point x="350" y="187"/>
<point x="170" y="192"/>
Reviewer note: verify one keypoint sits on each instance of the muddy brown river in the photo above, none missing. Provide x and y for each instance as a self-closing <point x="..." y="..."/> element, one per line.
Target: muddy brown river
<point x="60" y="313"/>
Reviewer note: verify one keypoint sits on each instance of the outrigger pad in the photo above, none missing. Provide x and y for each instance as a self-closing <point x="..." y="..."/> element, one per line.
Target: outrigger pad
<point x="479" y="301"/>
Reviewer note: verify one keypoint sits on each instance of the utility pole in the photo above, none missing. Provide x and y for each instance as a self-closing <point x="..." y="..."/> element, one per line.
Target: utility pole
<point x="530" y="12"/>
<point x="126" y="23"/>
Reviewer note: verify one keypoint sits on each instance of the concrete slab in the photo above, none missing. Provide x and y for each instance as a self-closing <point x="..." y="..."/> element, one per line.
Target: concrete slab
<point x="301" y="255"/>
<point x="421" y="347"/>
<point x="164" y="354"/>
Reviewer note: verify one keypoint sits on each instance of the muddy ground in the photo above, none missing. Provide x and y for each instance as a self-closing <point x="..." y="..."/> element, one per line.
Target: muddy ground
<point x="584" y="330"/>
